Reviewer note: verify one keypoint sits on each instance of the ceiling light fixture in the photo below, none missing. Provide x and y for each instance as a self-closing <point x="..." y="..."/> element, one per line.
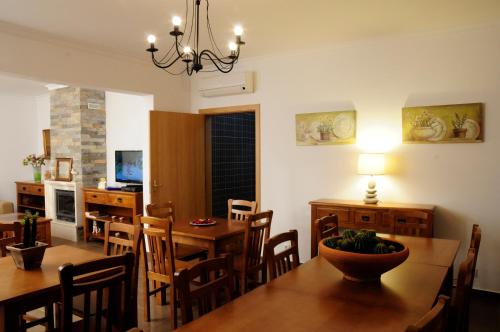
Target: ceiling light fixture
<point x="193" y="57"/>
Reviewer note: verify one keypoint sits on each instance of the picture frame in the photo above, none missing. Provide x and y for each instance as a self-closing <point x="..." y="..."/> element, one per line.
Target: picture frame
<point x="63" y="169"/>
<point x="325" y="128"/>
<point x="46" y="143"/>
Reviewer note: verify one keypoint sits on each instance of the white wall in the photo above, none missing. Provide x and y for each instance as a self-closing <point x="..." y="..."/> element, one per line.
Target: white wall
<point x="127" y="128"/>
<point x="378" y="78"/>
<point x="40" y="57"/>
<point x="19" y="136"/>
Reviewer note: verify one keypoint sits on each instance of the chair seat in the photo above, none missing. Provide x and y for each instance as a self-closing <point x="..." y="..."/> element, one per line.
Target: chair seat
<point x="185" y="251"/>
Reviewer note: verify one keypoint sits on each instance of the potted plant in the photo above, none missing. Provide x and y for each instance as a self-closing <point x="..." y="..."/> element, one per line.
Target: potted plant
<point x="458" y="126"/>
<point x="37" y="163"/>
<point x="363" y="256"/>
<point x="422" y="127"/>
<point x="29" y="254"/>
<point x="325" y="128"/>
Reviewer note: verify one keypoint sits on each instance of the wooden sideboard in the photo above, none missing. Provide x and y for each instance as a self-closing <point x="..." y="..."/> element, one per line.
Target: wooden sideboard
<point x="30" y="196"/>
<point x="108" y="204"/>
<point x="392" y="218"/>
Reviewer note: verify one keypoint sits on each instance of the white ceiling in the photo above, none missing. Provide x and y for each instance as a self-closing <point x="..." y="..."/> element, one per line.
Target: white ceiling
<point x="14" y="86"/>
<point x="271" y="26"/>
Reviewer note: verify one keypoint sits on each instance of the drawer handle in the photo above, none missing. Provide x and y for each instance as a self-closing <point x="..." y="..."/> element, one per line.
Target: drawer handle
<point x="39" y="190"/>
<point x="94" y="196"/>
<point x="24" y="188"/>
<point x="365" y="218"/>
<point x="401" y="220"/>
<point x="119" y="199"/>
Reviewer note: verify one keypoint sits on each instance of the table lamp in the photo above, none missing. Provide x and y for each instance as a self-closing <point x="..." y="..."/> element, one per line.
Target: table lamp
<point x="371" y="164"/>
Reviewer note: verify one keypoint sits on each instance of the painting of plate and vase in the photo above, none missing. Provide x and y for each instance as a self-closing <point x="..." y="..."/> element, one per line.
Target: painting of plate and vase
<point x="326" y="128"/>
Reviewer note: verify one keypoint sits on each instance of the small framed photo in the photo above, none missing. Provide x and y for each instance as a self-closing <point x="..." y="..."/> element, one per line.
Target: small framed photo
<point x="63" y="169"/>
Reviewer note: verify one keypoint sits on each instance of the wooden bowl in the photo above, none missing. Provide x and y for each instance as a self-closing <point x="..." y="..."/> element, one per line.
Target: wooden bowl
<point x="364" y="267"/>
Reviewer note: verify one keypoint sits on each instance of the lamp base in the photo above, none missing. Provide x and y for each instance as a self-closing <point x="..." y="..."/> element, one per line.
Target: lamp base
<point x="371" y="192"/>
<point x="371" y="200"/>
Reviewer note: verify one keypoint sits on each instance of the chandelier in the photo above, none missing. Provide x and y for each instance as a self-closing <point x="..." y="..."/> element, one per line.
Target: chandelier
<point x="193" y="57"/>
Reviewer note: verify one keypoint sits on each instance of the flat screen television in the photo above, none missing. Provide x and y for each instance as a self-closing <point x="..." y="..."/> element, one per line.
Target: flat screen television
<point x="128" y="166"/>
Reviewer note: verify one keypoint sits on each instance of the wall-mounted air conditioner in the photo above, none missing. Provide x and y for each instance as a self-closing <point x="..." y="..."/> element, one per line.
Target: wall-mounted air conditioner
<point x="226" y="84"/>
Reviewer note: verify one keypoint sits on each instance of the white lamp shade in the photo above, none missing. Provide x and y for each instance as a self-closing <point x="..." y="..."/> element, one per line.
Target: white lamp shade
<point x="371" y="163"/>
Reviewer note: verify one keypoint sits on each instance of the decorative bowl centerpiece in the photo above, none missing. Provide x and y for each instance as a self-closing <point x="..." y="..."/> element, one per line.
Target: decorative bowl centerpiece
<point x="363" y="256"/>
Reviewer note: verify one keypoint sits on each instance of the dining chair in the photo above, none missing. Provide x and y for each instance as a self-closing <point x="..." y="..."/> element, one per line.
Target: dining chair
<point x="460" y="302"/>
<point x="9" y="234"/>
<point x="202" y="284"/>
<point x="159" y="264"/>
<point x="112" y="273"/>
<point x="248" y="265"/>
<point x="410" y="222"/>
<point x="287" y="259"/>
<point x="182" y="251"/>
<point x="475" y="242"/>
<point x="324" y="227"/>
<point x="246" y="208"/>
<point x="435" y="320"/>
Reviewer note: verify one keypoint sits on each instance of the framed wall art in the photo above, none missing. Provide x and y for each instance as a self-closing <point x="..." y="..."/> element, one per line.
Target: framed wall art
<point x="462" y="123"/>
<point x="326" y="128"/>
<point x="63" y="169"/>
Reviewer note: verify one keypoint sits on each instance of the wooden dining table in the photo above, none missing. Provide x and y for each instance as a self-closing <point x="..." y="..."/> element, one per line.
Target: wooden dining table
<point x="22" y="291"/>
<point x="224" y="236"/>
<point x="315" y="297"/>
<point x="43" y="225"/>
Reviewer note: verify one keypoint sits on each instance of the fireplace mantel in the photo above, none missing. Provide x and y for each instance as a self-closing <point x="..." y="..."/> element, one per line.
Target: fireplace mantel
<point x="61" y="228"/>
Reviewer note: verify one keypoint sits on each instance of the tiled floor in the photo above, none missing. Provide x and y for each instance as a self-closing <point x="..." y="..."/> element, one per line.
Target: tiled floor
<point x="484" y="309"/>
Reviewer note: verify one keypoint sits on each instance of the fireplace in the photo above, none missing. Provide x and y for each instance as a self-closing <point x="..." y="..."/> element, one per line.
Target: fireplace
<point x="65" y="205"/>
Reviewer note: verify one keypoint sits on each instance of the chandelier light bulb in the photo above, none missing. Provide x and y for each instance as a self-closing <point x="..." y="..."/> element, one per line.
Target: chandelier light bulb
<point x="233" y="46"/>
<point x="187" y="50"/>
<point x="176" y="21"/>
<point x="151" y="39"/>
<point x="238" y="30"/>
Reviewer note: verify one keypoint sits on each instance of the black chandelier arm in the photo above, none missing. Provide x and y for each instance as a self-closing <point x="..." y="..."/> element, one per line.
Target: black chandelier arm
<point x="161" y="65"/>
<point x="213" y="57"/>
<point x="217" y="62"/>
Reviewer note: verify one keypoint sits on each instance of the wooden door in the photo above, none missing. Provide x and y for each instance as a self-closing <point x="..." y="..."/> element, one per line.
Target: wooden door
<point x="177" y="145"/>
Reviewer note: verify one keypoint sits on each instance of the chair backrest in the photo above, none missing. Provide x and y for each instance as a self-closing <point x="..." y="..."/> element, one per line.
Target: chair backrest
<point x="128" y="238"/>
<point x="9" y="234"/>
<point x="410" y="222"/>
<point x="461" y="300"/>
<point x="160" y="259"/>
<point x="210" y="278"/>
<point x="239" y="214"/>
<point x="113" y="273"/>
<point x="475" y="242"/>
<point x="162" y="210"/>
<point x="326" y="226"/>
<point x="257" y="230"/>
<point x="286" y="260"/>
<point x="435" y="320"/>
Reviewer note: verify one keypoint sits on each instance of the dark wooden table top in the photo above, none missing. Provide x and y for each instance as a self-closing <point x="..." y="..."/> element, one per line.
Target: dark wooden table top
<point x="12" y="217"/>
<point x="222" y="229"/>
<point x="17" y="284"/>
<point x="315" y="297"/>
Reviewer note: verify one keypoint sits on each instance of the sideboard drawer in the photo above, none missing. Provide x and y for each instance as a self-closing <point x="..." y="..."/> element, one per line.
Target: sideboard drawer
<point x="366" y="218"/>
<point x="95" y="197"/>
<point x="121" y="200"/>
<point x="37" y="190"/>
<point x="342" y="214"/>
<point x="30" y="189"/>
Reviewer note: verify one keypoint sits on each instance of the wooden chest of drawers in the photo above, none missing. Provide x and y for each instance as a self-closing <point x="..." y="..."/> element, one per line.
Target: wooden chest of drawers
<point x="392" y="218"/>
<point x="30" y="196"/>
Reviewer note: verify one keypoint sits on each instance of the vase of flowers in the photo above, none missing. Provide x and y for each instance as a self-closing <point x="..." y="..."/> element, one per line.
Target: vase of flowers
<point x="36" y="163"/>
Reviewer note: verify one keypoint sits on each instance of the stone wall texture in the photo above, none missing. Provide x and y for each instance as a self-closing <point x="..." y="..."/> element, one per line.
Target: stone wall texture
<point x="79" y="132"/>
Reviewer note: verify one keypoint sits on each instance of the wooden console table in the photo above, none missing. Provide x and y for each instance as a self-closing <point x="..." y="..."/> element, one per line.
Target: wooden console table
<point x="108" y="203"/>
<point x="30" y="196"/>
<point x="391" y="218"/>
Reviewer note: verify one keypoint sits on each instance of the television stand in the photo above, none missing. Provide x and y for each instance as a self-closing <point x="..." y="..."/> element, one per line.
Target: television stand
<point x="103" y="205"/>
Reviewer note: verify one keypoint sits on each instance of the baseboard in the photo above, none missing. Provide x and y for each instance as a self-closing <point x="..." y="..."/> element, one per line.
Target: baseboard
<point x="486" y="293"/>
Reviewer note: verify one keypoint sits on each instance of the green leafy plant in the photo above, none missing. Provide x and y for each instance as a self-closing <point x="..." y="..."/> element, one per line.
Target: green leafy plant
<point x="423" y="120"/>
<point x="364" y="241"/>
<point x="29" y="229"/>
<point x="459" y="121"/>
<point x="34" y="161"/>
